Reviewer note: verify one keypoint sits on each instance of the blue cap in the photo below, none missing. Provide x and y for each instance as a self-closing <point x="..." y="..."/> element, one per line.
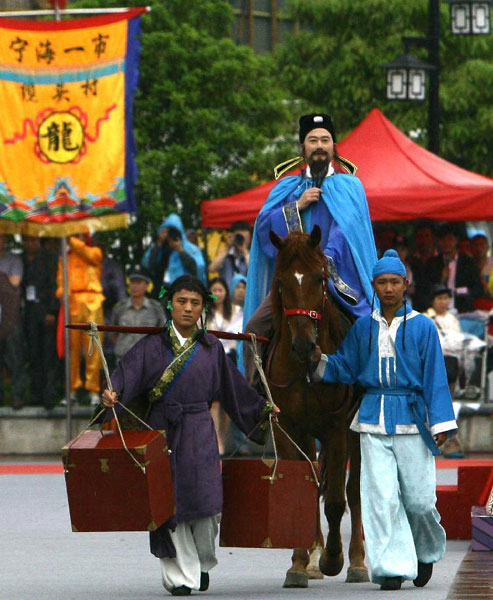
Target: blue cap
<point x="235" y="280"/>
<point x="389" y="263"/>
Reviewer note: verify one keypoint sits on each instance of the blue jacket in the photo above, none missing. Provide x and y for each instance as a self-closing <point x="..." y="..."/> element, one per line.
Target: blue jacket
<point x="402" y="370"/>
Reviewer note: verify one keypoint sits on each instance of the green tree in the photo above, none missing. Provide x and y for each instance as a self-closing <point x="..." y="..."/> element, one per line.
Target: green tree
<point x="335" y="64"/>
<point x="207" y="114"/>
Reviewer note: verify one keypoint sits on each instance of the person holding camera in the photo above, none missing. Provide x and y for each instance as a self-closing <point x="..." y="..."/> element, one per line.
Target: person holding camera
<point x="235" y="257"/>
<point x="172" y="255"/>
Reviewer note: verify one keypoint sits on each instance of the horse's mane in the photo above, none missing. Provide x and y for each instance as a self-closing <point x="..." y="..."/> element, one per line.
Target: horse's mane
<point x="297" y="246"/>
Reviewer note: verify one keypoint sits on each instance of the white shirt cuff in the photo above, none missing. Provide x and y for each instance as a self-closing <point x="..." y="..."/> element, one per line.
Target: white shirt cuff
<point x="442" y="427"/>
<point x="320" y="370"/>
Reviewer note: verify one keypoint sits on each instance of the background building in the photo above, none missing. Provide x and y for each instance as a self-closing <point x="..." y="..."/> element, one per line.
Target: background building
<point x="260" y="24"/>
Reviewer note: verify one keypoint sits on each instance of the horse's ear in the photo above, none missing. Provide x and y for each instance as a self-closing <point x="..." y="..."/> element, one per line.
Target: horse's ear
<point x="277" y="241"/>
<point x="315" y="236"/>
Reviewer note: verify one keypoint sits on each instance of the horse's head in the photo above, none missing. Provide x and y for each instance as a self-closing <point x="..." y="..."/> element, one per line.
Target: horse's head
<point x="298" y="289"/>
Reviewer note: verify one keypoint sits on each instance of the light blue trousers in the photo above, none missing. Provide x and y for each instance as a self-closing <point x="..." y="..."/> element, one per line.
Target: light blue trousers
<point x="400" y="520"/>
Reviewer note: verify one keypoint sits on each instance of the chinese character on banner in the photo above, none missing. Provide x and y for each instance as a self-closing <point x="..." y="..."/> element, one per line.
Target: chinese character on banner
<point x="66" y="133"/>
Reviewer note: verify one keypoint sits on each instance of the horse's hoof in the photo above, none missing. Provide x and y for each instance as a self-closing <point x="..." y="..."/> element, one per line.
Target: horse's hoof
<point x="314" y="572"/>
<point x="357" y="575"/>
<point x="331" y="564"/>
<point x="296" y="579"/>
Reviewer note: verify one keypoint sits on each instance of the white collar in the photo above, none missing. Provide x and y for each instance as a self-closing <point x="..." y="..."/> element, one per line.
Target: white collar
<point x="378" y="316"/>
<point x="330" y="171"/>
<point x="181" y="339"/>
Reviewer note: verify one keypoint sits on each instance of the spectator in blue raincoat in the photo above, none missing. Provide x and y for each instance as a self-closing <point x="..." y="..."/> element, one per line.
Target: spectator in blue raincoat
<point x="172" y="255"/>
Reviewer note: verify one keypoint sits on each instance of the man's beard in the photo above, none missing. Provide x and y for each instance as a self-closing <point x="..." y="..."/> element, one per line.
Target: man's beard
<point x="319" y="165"/>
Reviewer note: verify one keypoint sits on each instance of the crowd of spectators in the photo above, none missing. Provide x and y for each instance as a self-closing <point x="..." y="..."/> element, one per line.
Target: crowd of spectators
<point x="444" y="269"/>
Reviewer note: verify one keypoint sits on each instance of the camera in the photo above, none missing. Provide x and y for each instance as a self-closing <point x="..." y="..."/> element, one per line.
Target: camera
<point x="238" y="239"/>
<point x="174" y="234"/>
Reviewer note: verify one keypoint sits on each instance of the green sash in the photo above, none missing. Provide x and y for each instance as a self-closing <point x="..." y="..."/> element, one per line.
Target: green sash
<point x="182" y="354"/>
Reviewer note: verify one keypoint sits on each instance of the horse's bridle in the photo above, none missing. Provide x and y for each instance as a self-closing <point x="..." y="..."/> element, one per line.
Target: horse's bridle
<point x="303" y="312"/>
<point x="313" y="314"/>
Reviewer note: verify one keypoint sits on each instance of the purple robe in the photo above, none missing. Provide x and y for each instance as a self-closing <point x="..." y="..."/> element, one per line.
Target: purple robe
<point x="183" y="411"/>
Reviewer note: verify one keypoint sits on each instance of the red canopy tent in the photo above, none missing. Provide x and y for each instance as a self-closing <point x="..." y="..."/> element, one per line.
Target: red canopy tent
<point x="403" y="181"/>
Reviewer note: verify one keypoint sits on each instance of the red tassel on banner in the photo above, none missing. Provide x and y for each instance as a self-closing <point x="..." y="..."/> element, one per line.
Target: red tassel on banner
<point x="60" y="3"/>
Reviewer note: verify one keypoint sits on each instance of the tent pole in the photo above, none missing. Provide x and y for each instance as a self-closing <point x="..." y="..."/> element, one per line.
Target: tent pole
<point x="66" y="337"/>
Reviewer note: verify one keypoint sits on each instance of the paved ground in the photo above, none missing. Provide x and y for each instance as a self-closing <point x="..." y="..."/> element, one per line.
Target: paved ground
<point x="474" y="580"/>
<point x="41" y="559"/>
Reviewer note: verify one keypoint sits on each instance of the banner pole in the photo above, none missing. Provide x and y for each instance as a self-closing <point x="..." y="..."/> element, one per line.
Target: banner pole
<point x="66" y="337"/>
<point x="73" y="11"/>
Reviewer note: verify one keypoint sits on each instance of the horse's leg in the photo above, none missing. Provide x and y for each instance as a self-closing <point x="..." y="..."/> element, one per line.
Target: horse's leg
<point x="296" y="576"/>
<point x="357" y="571"/>
<point x="315" y="552"/>
<point x="335" y="456"/>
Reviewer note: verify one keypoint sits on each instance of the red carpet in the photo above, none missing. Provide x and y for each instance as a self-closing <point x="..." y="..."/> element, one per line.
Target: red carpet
<point x="30" y="469"/>
<point x="454" y="463"/>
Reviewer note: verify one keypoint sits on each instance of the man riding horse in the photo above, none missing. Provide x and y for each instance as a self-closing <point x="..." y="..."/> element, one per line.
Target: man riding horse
<point x="327" y="194"/>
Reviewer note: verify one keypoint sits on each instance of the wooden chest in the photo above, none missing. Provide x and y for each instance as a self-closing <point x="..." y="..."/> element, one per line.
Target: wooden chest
<point x="258" y="513"/>
<point x="108" y="491"/>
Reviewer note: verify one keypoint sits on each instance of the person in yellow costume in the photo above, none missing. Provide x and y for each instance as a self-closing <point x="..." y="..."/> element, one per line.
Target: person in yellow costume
<point x="85" y="304"/>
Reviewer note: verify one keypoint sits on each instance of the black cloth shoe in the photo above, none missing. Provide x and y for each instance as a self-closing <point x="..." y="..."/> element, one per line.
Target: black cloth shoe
<point x="424" y="574"/>
<point x="204" y="582"/>
<point x="391" y="583"/>
<point x="182" y="590"/>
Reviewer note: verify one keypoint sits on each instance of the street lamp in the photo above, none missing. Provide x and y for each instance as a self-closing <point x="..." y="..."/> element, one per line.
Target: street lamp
<point x="406" y="74"/>
<point x="406" y="78"/>
<point x="469" y="17"/>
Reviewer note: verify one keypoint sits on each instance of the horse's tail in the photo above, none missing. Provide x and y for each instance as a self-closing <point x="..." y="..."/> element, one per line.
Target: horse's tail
<point x="322" y="467"/>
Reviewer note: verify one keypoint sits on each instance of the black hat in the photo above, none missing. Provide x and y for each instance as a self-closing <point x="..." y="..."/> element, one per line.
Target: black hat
<point x="137" y="272"/>
<point x="439" y="289"/>
<point x="314" y="121"/>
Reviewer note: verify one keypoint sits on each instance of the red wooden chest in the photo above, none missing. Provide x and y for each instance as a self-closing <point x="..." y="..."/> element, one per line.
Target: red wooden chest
<point x="261" y="514"/>
<point x="108" y="491"/>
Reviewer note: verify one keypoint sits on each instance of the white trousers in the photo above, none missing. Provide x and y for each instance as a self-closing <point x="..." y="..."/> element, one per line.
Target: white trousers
<point x="398" y="497"/>
<point x="194" y="542"/>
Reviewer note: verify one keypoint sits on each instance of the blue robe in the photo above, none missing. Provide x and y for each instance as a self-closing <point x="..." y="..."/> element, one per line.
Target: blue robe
<point x="347" y="238"/>
<point x="403" y="373"/>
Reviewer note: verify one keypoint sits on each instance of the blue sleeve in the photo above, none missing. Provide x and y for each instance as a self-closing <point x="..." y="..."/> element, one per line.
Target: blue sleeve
<point x="436" y="390"/>
<point x="271" y="220"/>
<point x="338" y="248"/>
<point x="146" y="259"/>
<point x="344" y="366"/>
<point x="274" y="219"/>
<point x="196" y="255"/>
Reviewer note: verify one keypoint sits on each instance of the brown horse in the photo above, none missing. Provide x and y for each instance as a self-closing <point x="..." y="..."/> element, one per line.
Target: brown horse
<point x="304" y="316"/>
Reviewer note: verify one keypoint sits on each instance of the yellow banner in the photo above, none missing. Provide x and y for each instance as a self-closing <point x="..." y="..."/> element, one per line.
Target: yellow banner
<point x="65" y="126"/>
